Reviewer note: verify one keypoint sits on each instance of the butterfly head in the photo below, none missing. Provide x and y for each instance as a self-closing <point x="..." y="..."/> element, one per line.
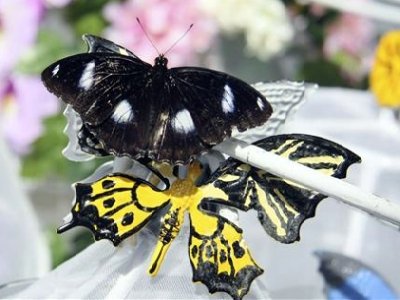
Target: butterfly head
<point x="161" y="62"/>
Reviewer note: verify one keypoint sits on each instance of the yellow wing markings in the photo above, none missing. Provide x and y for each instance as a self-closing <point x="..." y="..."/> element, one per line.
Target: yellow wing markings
<point x="294" y="145"/>
<point x="271" y="209"/>
<point x="283" y="146"/>
<point x="336" y="160"/>
<point x="285" y="201"/>
<point x="149" y="198"/>
<point x="115" y="206"/>
<point x="220" y="257"/>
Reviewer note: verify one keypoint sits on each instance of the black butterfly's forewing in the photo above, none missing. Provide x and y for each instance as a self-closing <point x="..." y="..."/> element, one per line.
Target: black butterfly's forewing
<point x="95" y="83"/>
<point x="218" y="102"/>
<point x="98" y="44"/>
<point x="107" y="91"/>
<point x="87" y="141"/>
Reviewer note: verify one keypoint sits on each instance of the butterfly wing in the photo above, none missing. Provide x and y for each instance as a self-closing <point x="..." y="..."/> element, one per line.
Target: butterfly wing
<point x="218" y="103"/>
<point x="108" y="91"/>
<point x="86" y="141"/>
<point x="285" y="98"/>
<point x="282" y="206"/>
<point x="219" y="255"/>
<point x="98" y="44"/>
<point x="96" y="83"/>
<point x="131" y="112"/>
<point x="114" y="207"/>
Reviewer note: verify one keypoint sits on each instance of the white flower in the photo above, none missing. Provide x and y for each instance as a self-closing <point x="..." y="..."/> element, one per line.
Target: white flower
<point x="264" y="23"/>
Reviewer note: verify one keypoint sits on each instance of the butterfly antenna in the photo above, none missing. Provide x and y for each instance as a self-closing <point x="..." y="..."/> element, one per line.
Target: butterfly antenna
<point x="145" y="33"/>
<point x="178" y="40"/>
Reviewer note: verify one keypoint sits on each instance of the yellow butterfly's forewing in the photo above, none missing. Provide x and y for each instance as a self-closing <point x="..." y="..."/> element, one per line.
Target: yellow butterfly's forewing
<point x="115" y="206"/>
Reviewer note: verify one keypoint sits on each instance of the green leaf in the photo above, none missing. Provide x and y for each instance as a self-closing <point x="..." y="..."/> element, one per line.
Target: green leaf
<point x="58" y="248"/>
<point x="50" y="46"/>
<point x="46" y="159"/>
<point x="323" y="72"/>
<point x="86" y="16"/>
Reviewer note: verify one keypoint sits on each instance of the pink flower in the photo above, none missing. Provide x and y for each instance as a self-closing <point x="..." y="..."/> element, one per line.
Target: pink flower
<point x="165" y="21"/>
<point x="317" y="10"/>
<point x="24" y="101"/>
<point x="19" y="24"/>
<point x="350" y="34"/>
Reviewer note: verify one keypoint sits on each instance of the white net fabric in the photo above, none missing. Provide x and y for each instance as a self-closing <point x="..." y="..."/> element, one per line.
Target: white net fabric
<point x="104" y="271"/>
<point x="23" y="252"/>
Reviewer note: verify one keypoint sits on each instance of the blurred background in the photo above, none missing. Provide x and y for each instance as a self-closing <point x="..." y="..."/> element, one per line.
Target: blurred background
<point x="330" y="42"/>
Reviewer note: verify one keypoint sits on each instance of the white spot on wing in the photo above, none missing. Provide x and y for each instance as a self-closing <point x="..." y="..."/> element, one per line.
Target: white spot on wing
<point x="87" y="79"/>
<point x="182" y="122"/>
<point x="227" y="100"/>
<point x="260" y="103"/>
<point x="55" y="70"/>
<point x="122" y="51"/>
<point x="123" y="112"/>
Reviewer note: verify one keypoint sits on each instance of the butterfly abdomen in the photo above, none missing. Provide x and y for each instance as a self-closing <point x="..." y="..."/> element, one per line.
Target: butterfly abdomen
<point x="170" y="227"/>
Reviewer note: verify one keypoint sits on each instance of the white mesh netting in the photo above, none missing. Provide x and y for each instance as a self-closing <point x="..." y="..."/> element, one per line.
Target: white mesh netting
<point x="102" y="271"/>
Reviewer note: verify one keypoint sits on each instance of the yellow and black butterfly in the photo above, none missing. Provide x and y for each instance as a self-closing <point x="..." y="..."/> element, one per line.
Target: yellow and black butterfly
<point x="118" y="205"/>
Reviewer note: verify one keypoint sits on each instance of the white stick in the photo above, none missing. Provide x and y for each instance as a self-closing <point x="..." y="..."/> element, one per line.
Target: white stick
<point x="327" y="185"/>
<point x="371" y="9"/>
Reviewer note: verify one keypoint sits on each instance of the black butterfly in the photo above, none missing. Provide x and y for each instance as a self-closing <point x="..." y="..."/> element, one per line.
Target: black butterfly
<point x="133" y="108"/>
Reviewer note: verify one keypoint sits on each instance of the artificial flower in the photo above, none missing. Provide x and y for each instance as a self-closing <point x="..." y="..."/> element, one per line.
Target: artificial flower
<point x="165" y="22"/>
<point x="264" y="23"/>
<point x="385" y="73"/>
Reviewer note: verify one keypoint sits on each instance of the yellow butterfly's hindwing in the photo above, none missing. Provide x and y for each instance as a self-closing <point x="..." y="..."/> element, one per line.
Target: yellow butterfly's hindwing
<point x="282" y="206"/>
<point x="115" y="206"/>
<point x="219" y="256"/>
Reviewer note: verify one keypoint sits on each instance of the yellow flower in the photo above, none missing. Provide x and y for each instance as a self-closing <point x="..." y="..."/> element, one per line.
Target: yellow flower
<point x="385" y="73"/>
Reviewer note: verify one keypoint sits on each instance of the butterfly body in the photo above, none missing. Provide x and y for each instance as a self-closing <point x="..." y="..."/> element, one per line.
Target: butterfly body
<point x="117" y="206"/>
<point x="141" y="110"/>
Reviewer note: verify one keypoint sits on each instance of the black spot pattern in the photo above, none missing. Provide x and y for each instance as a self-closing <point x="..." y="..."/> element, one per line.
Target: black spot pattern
<point x="128" y="219"/>
<point x="195" y="250"/>
<point x="109" y="203"/>
<point x="222" y="256"/>
<point x="108" y="184"/>
<point x="209" y="251"/>
<point x="238" y="251"/>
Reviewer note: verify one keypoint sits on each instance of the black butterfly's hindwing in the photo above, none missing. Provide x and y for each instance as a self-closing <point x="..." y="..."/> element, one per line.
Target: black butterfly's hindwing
<point x="89" y="143"/>
<point x="137" y="110"/>
<point x="282" y="206"/>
